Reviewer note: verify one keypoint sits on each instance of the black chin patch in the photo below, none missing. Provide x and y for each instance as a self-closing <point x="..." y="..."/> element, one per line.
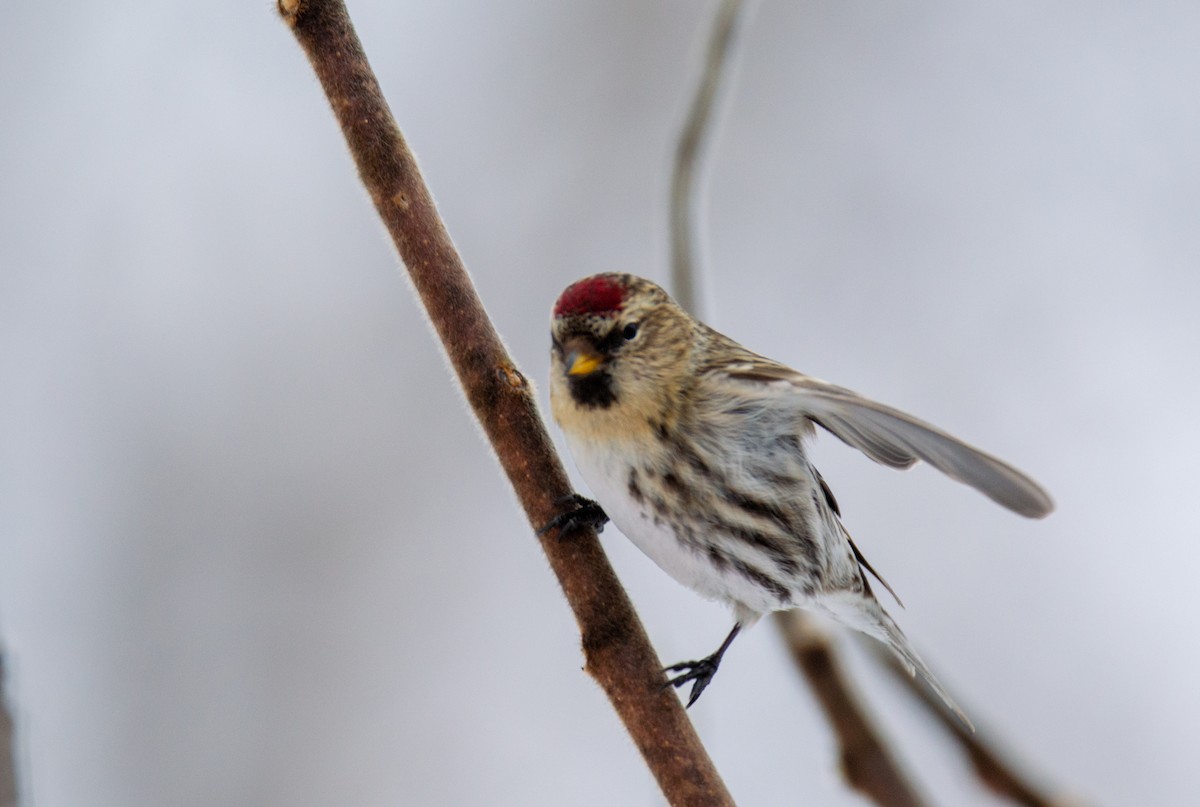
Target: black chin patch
<point x="594" y="391"/>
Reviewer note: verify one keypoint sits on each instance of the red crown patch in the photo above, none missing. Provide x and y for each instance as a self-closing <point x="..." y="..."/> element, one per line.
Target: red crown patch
<point x="600" y="295"/>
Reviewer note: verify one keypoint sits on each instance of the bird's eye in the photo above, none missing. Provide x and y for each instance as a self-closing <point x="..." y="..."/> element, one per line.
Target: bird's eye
<point x="630" y="331"/>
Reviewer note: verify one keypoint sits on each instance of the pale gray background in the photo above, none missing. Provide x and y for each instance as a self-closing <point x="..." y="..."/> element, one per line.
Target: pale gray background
<point x="254" y="551"/>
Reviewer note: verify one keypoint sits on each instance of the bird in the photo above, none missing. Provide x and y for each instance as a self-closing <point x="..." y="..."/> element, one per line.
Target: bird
<point x="695" y="448"/>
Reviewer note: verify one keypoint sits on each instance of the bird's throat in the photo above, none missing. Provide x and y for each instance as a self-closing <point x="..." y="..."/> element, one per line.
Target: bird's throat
<point x="592" y="391"/>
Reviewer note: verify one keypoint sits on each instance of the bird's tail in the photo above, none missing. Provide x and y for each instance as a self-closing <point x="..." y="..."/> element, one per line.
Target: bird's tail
<point x="867" y="615"/>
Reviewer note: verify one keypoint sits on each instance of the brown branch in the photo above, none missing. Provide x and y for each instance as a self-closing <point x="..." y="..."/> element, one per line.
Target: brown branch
<point x="1000" y="776"/>
<point x="8" y="748"/>
<point x="617" y="651"/>
<point x="867" y="763"/>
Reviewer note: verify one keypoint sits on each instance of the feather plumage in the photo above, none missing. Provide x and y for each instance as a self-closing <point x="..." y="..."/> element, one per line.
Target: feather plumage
<point x="884" y="434"/>
<point x="695" y="447"/>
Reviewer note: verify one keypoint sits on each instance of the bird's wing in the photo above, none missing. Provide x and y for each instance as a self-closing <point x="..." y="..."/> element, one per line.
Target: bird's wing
<point x="888" y="435"/>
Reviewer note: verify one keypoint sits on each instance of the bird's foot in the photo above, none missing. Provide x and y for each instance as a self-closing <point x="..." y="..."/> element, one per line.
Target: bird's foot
<point x="700" y="673"/>
<point x="581" y="512"/>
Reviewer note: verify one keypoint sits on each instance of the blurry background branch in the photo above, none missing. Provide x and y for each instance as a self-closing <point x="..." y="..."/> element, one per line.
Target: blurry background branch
<point x="689" y="149"/>
<point x="1001" y="777"/>
<point x="617" y="651"/>
<point x="8" y="766"/>
<point x="867" y="764"/>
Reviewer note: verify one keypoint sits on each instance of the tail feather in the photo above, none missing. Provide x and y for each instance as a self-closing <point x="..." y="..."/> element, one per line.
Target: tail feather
<point x="867" y="615"/>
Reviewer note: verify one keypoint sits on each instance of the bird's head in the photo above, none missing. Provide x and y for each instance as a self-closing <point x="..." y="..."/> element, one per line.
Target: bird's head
<point x="617" y="341"/>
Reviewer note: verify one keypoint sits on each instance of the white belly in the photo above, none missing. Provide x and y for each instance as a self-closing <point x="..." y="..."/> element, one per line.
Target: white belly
<point x="607" y="473"/>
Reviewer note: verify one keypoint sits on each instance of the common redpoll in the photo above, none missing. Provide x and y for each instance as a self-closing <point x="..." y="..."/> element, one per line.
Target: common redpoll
<point x="694" y="446"/>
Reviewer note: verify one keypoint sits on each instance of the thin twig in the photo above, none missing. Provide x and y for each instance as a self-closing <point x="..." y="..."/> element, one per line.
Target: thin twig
<point x="688" y="152"/>
<point x="867" y="764"/>
<point x="1000" y="776"/>
<point x="618" y="654"/>
<point x="8" y="748"/>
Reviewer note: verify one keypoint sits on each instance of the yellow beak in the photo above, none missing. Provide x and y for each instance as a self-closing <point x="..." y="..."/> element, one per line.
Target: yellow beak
<point x="579" y="363"/>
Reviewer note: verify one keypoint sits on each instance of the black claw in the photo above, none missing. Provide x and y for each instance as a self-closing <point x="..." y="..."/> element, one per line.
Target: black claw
<point x="582" y="512"/>
<point x="700" y="673"/>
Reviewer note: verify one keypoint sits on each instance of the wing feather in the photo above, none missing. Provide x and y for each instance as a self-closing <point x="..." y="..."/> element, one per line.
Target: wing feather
<point x="892" y="437"/>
